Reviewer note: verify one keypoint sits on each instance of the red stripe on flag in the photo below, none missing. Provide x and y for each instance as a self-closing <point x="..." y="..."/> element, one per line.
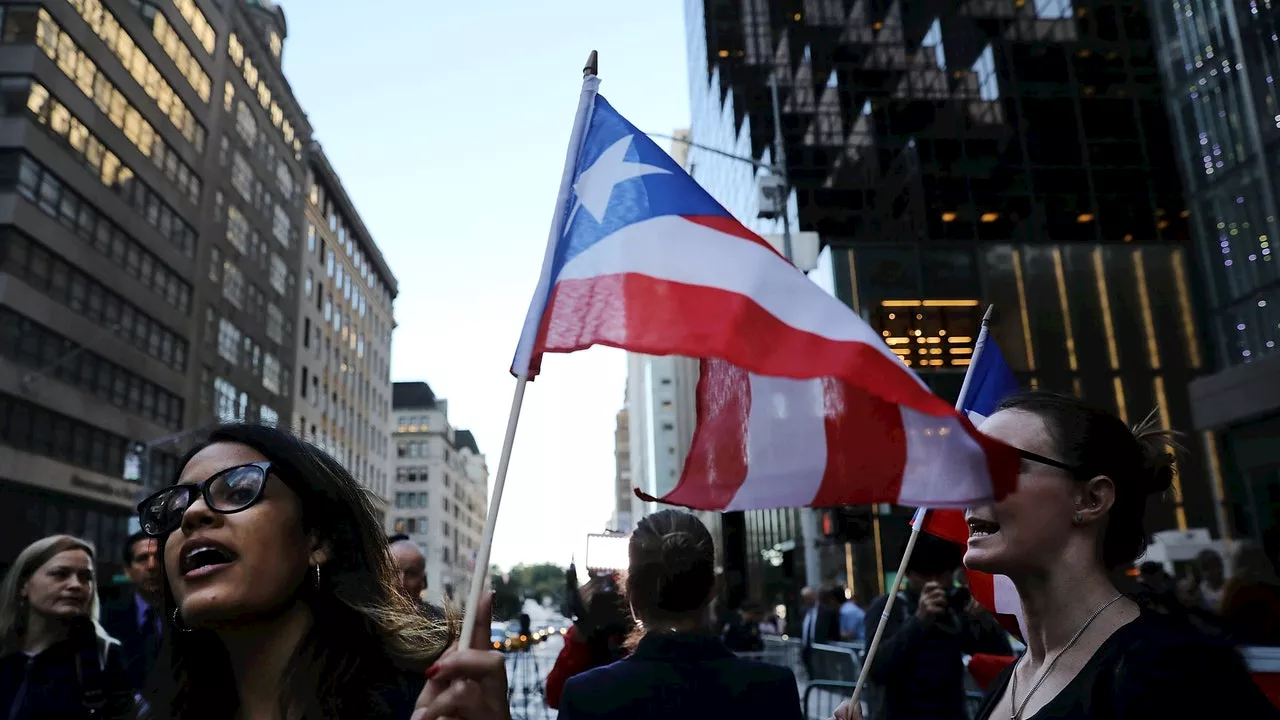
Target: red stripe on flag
<point x="865" y="442"/>
<point x="717" y="463"/>
<point x="697" y="321"/>
<point x="948" y="525"/>
<point x="729" y="226"/>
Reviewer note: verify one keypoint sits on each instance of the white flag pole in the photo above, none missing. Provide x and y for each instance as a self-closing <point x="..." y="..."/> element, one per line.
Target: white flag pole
<point x="917" y="526"/>
<point x="481" y="574"/>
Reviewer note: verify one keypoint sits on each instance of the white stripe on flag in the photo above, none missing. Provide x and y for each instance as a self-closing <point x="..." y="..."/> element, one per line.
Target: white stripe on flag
<point x="946" y="468"/>
<point x="975" y="418"/>
<point x="786" y="444"/>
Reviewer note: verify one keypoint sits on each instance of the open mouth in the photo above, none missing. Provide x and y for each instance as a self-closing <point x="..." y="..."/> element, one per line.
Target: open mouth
<point x="982" y="528"/>
<point x="204" y="557"/>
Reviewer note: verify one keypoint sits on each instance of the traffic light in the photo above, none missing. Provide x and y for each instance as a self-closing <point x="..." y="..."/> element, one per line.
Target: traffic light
<point x="846" y="524"/>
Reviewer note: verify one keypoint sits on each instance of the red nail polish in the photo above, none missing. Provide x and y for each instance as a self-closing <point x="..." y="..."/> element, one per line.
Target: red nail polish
<point x="431" y="671"/>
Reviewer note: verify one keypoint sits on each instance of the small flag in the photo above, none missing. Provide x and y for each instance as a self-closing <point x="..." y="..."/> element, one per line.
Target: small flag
<point x="800" y="401"/>
<point x="990" y="381"/>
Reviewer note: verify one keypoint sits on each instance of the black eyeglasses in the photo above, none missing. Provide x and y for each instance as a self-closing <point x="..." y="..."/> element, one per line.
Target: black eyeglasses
<point x="228" y="491"/>
<point x="1028" y="455"/>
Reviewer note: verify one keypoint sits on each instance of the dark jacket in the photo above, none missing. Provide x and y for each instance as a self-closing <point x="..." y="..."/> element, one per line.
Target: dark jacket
<point x="138" y="648"/>
<point x="679" y="677"/>
<point x="919" y="669"/>
<point x="66" y="680"/>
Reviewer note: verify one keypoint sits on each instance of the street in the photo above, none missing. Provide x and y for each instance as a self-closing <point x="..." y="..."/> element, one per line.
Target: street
<point x="526" y="675"/>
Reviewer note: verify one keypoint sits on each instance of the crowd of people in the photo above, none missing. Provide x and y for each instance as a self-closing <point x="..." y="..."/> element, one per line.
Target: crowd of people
<point x="262" y="587"/>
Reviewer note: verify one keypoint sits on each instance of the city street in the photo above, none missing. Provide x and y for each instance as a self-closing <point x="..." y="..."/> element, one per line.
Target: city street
<point x="526" y="674"/>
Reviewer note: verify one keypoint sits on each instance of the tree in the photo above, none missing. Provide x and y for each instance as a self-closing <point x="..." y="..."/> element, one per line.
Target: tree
<point x="507" y="598"/>
<point x="525" y="582"/>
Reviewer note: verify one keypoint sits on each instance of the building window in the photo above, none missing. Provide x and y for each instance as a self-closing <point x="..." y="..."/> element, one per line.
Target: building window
<point x="228" y="341"/>
<point x="267" y="416"/>
<point x="309" y="284"/>
<point x="275" y="323"/>
<point x="233" y="284"/>
<point x="271" y="373"/>
<point x="246" y="126"/>
<point x="237" y="229"/>
<point x="242" y="177"/>
<point x="279" y="274"/>
<point x="281" y="226"/>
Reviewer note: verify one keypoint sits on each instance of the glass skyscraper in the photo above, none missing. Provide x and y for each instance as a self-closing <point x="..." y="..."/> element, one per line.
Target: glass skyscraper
<point x="958" y="154"/>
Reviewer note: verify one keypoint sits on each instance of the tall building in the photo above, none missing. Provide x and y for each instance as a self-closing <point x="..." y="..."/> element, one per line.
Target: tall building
<point x="138" y="306"/>
<point x="661" y="416"/>
<point x="345" y="321"/>
<point x="622" y="519"/>
<point x="954" y="154"/>
<point x="441" y="488"/>
<point x="1218" y="64"/>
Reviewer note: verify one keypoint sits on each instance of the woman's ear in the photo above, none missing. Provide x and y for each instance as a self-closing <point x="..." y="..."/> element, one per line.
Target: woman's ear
<point x="1096" y="497"/>
<point x="318" y="550"/>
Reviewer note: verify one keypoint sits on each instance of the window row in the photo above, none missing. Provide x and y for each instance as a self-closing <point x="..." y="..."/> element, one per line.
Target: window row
<point x="95" y="85"/>
<point x="239" y="349"/>
<point x="118" y="40"/>
<point x="411" y="474"/>
<point x="198" y="22"/>
<point x="32" y="345"/>
<point x="175" y="48"/>
<point x="28" y="427"/>
<point x="345" y="240"/>
<point x="32" y="262"/>
<point x="411" y="500"/>
<point x="109" y="169"/>
<point x="48" y="193"/>
<point x="246" y="183"/>
<point x="262" y="145"/>
<point x="235" y="50"/>
<point x="412" y="526"/>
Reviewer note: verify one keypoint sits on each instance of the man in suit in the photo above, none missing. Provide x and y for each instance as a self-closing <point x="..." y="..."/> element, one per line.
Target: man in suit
<point x="135" y="619"/>
<point x="821" y="625"/>
<point x="412" y="566"/>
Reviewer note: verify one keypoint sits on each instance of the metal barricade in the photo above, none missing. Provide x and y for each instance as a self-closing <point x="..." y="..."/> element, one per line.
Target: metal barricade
<point x="822" y="697"/>
<point x="834" y="662"/>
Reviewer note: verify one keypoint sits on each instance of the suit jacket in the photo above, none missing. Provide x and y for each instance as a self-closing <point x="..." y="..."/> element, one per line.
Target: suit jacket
<point x="679" y="677"/>
<point x="120" y="620"/>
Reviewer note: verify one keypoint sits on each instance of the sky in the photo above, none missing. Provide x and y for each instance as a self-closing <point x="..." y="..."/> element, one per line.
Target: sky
<point x="448" y="124"/>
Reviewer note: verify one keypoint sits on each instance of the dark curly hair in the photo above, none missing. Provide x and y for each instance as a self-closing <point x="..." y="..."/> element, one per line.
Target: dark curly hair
<point x="1140" y="461"/>
<point x="366" y="636"/>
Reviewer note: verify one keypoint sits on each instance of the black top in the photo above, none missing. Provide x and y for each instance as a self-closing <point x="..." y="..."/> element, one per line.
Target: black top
<point x="65" y="682"/>
<point x="139" y="645"/>
<point x="1154" y="667"/>
<point x="679" y="677"/>
<point x="919" y="668"/>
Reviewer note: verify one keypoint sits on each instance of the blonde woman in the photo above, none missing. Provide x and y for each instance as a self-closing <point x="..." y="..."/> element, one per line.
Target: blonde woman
<point x="55" y="660"/>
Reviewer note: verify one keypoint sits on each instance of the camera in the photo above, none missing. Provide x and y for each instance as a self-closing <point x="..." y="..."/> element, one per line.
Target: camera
<point x="958" y="599"/>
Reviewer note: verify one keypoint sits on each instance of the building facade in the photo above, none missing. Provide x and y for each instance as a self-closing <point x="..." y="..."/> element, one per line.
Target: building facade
<point x="622" y="519"/>
<point x="144" y="316"/>
<point x="345" y="319"/>
<point x="1219" y="64"/>
<point x="959" y="154"/>
<point x="440" y="491"/>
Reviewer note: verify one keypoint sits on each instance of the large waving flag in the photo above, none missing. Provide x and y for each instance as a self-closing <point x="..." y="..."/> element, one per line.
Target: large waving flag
<point x="990" y="381"/>
<point x="806" y="404"/>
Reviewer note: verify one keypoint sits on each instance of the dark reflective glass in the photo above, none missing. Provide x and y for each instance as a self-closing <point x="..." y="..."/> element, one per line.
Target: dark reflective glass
<point x="228" y="491"/>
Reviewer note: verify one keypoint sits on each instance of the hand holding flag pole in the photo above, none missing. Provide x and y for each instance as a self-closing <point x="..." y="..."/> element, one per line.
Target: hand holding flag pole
<point x="918" y="524"/>
<point x="481" y="574"/>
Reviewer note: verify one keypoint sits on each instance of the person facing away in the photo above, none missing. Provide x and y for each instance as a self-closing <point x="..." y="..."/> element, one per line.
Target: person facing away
<point x="679" y="670"/>
<point x="1076" y="514"/>
<point x="56" y="662"/>
<point x="919" y="669"/>
<point x="852" y="617"/>
<point x="411" y="566"/>
<point x="597" y="637"/>
<point x="135" y="618"/>
<point x="281" y="601"/>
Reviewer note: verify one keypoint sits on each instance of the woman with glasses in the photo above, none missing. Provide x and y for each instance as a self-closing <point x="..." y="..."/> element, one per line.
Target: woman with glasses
<point x="281" y="597"/>
<point x="1075" y="519"/>
<point x="55" y="660"/>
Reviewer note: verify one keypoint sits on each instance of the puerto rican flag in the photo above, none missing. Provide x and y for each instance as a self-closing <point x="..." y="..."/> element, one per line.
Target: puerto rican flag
<point x="801" y="402"/>
<point x="990" y="381"/>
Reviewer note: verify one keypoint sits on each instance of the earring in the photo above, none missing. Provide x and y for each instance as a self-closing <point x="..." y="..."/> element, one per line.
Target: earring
<point x="1079" y="517"/>
<point x="177" y="621"/>
<point x="317" y="574"/>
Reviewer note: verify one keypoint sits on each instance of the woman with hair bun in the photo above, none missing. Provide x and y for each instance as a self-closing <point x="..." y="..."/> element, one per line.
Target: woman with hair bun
<point x="679" y="669"/>
<point x="1077" y="514"/>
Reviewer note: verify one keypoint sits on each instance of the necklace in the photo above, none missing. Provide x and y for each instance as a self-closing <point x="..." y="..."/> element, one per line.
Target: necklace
<point x="1015" y="710"/>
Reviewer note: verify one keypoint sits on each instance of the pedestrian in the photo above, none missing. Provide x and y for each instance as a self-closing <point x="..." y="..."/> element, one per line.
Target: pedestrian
<point x="596" y="638"/>
<point x="411" y="567"/>
<point x="679" y="670"/>
<point x="55" y="660"/>
<point x="135" y="618"/>
<point x="281" y="600"/>
<point x="852" y="617"/>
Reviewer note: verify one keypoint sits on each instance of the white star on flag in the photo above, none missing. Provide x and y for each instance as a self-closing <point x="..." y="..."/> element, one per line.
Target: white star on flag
<point x="595" y="185"/>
